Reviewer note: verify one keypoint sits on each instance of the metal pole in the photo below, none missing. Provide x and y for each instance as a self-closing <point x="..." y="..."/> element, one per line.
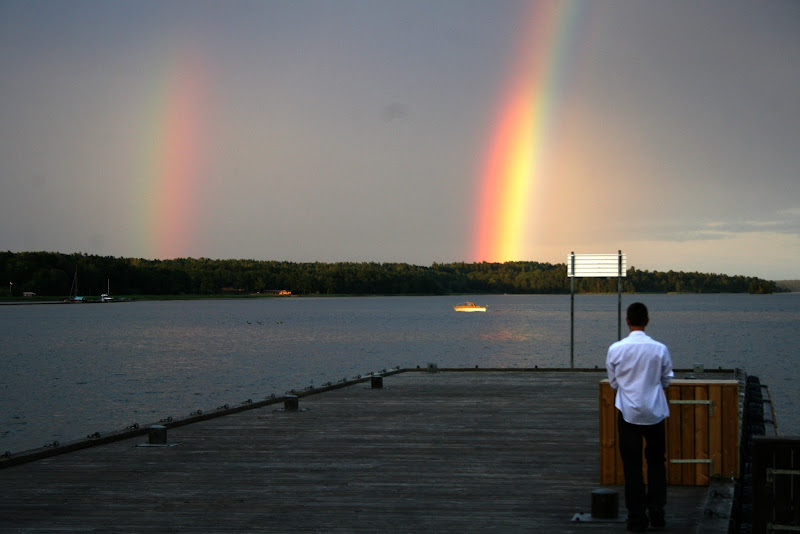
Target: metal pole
<point x="619" y="296"/>
<point x="572" y="312"/>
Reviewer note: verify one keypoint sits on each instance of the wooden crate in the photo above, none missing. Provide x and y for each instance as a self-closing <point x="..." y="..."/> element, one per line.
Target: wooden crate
<point x="702" y="432"/>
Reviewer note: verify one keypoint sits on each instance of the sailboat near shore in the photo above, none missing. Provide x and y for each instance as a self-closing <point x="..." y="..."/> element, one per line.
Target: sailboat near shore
<point x="73" y="291"/>
<point x="106" y="297"/>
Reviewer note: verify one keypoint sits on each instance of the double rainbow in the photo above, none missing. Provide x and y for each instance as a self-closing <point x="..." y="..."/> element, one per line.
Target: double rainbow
<point x="522" y="133"/>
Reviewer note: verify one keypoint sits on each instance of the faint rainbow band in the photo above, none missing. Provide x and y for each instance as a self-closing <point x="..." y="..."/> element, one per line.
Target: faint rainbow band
<point x="174" y="157"/>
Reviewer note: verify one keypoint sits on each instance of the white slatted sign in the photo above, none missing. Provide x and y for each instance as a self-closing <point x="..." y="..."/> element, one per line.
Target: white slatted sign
<point x="596" y="265"/>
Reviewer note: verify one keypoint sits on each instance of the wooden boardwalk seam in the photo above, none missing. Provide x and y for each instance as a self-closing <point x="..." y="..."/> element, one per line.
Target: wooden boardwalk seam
<point x="488" y="451"/>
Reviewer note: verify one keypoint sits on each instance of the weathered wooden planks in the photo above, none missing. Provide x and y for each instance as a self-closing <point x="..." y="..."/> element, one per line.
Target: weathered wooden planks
<point x="444" y="452"/>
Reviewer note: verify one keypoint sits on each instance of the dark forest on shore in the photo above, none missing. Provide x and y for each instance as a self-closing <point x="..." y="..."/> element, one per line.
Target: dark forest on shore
<point x="52" y="274"/>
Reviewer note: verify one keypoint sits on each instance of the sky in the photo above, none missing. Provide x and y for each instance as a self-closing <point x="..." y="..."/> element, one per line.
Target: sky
<point x="405" y="131"/>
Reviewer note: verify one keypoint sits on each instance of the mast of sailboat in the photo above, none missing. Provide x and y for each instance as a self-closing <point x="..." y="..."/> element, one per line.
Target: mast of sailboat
<point x="73" y="292"/>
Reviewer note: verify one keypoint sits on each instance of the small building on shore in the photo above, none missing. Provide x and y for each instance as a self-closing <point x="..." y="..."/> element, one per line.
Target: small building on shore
<point x="276" y="292"/>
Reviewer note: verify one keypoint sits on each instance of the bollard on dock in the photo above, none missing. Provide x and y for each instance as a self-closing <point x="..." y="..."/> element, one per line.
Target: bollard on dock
<point x="157" y="435"/>
<point x="291" y="403"/>
<point x="605" y="504"/>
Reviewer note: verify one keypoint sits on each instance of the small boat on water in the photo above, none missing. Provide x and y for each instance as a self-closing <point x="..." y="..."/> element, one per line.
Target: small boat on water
<point x="469" y="307"/>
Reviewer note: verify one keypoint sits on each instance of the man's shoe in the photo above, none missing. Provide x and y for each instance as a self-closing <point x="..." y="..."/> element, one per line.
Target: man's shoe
<point x="637" y="524"/>
<point x="657" y="519"/>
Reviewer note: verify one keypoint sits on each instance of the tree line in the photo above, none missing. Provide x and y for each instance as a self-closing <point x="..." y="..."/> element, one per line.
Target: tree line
<point x="53" y="273"/>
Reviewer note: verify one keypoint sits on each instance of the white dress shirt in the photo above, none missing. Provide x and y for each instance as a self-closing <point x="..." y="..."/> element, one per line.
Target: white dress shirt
<point x="639" y="368"/>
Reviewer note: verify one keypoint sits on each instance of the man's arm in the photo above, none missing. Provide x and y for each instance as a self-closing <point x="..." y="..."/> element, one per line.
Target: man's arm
<point x="610" y="370"/>
<point x="666" y="369"/>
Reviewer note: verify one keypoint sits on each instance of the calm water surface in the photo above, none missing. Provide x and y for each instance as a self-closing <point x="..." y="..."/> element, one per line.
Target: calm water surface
<point x="72" y="370"/>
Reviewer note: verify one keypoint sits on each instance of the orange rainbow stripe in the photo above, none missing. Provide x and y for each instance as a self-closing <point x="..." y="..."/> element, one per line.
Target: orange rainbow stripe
<point x="522" y="134"/>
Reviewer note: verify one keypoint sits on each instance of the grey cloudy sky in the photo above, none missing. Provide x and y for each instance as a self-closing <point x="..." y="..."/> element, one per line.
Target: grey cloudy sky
<point x="356" y="130"/>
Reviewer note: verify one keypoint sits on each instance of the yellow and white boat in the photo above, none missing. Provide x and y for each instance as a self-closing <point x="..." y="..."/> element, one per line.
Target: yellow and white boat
<point x="469" y="307"/>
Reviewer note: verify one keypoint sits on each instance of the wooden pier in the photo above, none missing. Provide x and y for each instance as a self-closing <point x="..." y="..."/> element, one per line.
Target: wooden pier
<point x="490" y="451"/>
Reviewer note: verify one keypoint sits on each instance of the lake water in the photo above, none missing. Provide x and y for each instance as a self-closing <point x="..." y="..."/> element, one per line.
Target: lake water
<point x="73" y="370"/>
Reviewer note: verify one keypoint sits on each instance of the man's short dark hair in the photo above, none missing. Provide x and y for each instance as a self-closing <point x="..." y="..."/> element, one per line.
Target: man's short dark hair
<point x="637" y="314"/>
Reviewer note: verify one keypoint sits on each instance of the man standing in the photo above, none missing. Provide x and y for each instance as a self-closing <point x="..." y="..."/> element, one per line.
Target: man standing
<point x="639" y="368"/>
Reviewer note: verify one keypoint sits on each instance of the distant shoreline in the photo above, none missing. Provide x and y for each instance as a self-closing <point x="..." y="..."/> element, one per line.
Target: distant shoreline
<point x="30" y="301"/>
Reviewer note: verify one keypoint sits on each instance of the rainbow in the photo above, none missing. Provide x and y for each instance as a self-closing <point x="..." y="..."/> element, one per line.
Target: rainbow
<point x="175" y="150"/>
<point x="522" y="132"/>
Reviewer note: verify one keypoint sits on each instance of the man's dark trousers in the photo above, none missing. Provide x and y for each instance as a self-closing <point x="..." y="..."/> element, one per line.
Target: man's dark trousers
<point x="637" y="500"/>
